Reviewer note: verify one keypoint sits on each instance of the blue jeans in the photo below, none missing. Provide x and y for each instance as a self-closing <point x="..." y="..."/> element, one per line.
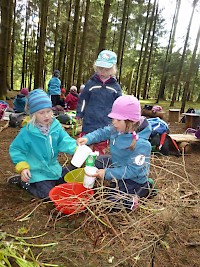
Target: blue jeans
<point x="42" y="189"/>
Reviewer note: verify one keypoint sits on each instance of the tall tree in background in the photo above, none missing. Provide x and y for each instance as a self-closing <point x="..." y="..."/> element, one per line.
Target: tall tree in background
<point x="154" y="19"/>
<point x="64" y="43"/>
<point x="183" y="56"/>
<point x="71" y="63"/>
<point x="114" y="22"/>
<point x="144" y="59"/>
<point x="104" y="25"/>
<point x="83" y="42"/>
<point x="141" y="50"/>
<point x="25" y="47"/>
<point x="186" y="89"/>
<point x="39" y="66"/>
<point x="56" y="34"/>
<point x="122" y="36"/>
<point x="122" y="26"/>
<point x="5" y="8"/>
<point x="169" y="52"/>
<point x="12" y="56"/>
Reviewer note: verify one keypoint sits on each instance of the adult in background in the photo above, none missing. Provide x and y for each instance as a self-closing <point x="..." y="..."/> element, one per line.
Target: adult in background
<point x="96" y="100"/>
<point x="54" y="90"/>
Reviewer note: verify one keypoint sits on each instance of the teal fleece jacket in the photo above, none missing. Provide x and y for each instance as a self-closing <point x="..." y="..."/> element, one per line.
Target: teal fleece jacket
<point x="40" y="152"/>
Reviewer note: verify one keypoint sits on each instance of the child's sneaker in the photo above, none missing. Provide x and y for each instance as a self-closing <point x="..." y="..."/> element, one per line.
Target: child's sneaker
<point x="135" y="203"/>
<point x="16" y="180"/>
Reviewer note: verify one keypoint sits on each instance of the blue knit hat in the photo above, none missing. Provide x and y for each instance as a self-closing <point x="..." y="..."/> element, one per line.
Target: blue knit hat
<point x="37" y="100"/>
<point x="56" y="73"/>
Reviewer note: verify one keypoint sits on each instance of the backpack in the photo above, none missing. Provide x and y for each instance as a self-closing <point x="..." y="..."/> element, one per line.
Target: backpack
<point x="190" y="110"/>
<point x="16" y="119"/>
<point x="68" y="118"/>
<point x="158" y="126"/>
<point x="160" y="140"/>
<point x="148" y="107"/>
<point x="3" y="107"/>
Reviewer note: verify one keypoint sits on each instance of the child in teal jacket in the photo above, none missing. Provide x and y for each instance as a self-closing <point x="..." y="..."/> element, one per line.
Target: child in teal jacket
<point x="54" y="89"/>
<point x="35" y="149"/>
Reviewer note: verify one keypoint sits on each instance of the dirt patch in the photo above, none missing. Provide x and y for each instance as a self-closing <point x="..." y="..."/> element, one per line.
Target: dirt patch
<point x="164" y="231"/>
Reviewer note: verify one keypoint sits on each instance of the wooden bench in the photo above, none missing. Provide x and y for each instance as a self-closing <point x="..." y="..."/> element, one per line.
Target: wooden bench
<point x="184" y="141"/>
<point x="184" y="138"/>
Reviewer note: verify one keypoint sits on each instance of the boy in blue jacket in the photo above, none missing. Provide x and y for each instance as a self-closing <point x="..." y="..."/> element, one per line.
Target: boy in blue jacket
<point x="35" y="149"/>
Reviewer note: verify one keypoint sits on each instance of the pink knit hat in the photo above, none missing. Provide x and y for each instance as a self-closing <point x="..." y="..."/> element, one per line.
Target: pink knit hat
<point x="126" y="108"/>
<point x="24" y="91"/>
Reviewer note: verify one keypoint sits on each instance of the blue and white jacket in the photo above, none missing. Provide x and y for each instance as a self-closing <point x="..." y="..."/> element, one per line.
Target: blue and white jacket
<point x="39" y="152"/>
<point x="54" y="86"/>
<point x="126" y="163"/>
<point x="96" y="101"/>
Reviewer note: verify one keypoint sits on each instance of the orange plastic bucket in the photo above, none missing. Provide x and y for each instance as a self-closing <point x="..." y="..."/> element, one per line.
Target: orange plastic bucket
<point x="71" y="198"/>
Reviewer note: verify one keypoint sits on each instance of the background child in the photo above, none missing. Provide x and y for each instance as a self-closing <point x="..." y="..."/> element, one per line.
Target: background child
<point x="20" y="100"/>
<point x="81" y="89"/>
<point x="54" y="90"/>
<point x="96" y="100"/>
<point x="35" y="149"/>
<point x="128" y="166"/>
<point x="62" y="96"/>
<point x="71" y="99"/>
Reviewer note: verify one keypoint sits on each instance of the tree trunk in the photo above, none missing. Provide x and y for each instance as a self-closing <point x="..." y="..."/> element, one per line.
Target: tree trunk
<point x="122" y="36"/>
<point x="55" y="65"/>
<point x="82" y="50"/>
<point x="183" y="57"/>
<point x="5" y="6"/>
<point x="191" y="71"/>
<point x="144" y="58"/>
<point x="115" y="19"/>
<point x="141" y="49"/>
<point x="71" y="62"/>
<point x="39" y="67"/>
<point x="62" y="62"/>
<point x="169" y="52"/>
<point x="12" y="57"/>
<point x="24" y="49"/>
<point x="154" y="18"/>
<point x="104" y="25"/>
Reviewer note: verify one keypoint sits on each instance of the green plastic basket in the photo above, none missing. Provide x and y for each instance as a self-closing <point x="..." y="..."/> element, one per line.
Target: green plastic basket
<point x="75" y="176"/>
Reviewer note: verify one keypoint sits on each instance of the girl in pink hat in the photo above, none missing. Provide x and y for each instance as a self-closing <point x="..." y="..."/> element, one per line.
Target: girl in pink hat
<point x="127" y="166"/>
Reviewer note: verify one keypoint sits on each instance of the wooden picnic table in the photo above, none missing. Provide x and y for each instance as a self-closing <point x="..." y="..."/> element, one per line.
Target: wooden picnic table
<point x="192" y="120"/>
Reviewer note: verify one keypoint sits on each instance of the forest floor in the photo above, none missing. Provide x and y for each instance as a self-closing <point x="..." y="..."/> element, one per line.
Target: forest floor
<point x="163" y="231"/>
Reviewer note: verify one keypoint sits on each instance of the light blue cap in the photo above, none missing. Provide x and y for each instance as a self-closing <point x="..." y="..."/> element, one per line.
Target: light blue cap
<point x="106" y="59"/>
